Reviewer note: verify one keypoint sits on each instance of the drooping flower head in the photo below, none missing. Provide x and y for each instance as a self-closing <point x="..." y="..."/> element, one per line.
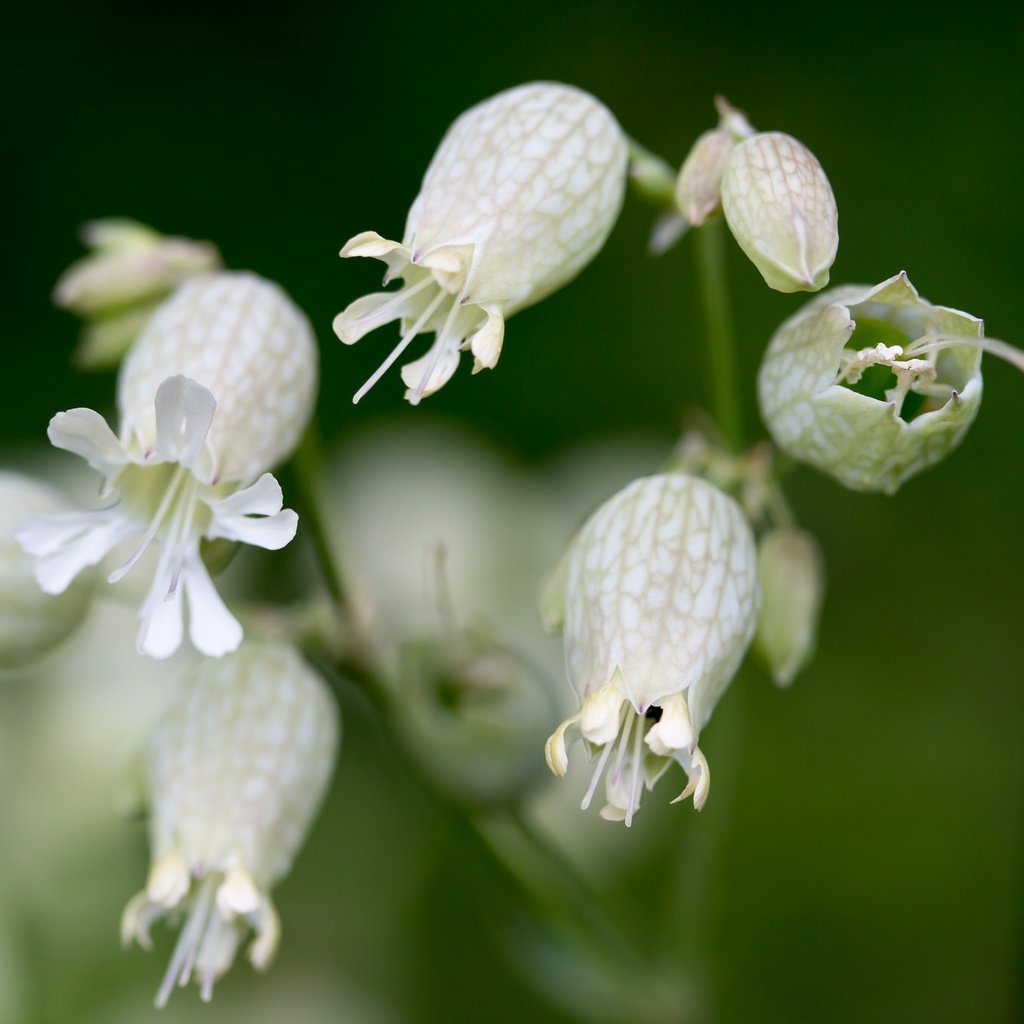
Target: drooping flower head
<point x="520" y="196"/>
<point x="216" y="391"/>
<point x="660" y="603"/>
<point x="236" y="771"/>
<point x="872" y="385"/>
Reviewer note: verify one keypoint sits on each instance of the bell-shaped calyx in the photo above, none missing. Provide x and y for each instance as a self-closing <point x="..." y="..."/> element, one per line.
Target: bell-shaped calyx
<point x="659" y="603"/>
<point x="874" y="384"/>
<point x="519" y="197"/>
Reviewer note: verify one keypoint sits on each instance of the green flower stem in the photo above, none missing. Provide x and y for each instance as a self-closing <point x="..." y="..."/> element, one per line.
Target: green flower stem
<point x="308" y="464"/>
<point x="532" y="873"/>
<point x="585" y="903"/>
<point x="653" y="179"/>
<point x="709" y="241"/>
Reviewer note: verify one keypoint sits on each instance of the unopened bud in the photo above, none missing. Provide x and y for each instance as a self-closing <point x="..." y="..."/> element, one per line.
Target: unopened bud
<point x="116" y="288"/>
<point x="781" y="210"/>
<point x="792" y="579"/>
<point x="699" y="186"/>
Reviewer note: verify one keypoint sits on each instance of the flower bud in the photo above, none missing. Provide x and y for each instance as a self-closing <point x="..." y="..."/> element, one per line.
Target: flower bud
<point x="31" y="621"/>
<point x="118" y="286"/>
<point x="519" y="197"/>
<point x="792" y="580"/>
<point x="660" y="606"/>
<point x="780" y="208"/>
<point x="216" y="391"/>
<point x="699" y="185"/>
<point x="872" y="385"/>
<point x="236" y="770"/>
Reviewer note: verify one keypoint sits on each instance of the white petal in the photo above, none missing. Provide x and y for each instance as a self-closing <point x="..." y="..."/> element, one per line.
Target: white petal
<point x="213" y="629"/>
<point x="184" y="413"/>
<point x="254" y="516"/>
<point x="263" y="498"/>
<point x="415" y="374"/>
<point x="367" y="314"/>
<point x="673" y="731"/>
<point x="601" y="714"/>
<point x="46" y="533"/>
<point x="160" y="630"/>
<point x="554" y="750"/>
<point x="486" y="343"/>
<point x="84" y="432"/>
<point x="270" y="532"/>
<point x="64" y="549"/>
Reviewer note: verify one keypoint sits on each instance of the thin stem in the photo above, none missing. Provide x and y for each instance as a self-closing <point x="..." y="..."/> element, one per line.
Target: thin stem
<point x="585" y="906"/>
<point x="309" y="473"/>
<point x="582" y="909"/>
<point x="653" y="179"/>
<point x="714" y="294"/>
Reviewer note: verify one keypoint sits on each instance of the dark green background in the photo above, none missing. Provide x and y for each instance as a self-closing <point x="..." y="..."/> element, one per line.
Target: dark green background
<point x="872" y="870"/>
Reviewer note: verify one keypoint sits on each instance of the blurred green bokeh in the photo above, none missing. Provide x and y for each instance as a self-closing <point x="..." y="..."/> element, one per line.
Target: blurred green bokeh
<point x="868" y="822"/>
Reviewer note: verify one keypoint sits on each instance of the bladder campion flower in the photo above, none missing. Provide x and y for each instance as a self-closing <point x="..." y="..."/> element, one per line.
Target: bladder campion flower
<point x="658" y="596"/>
<point x="217" y="390"/>
<point x="236" y="771"/>
<point x="519" y="197"/>
<point x="872" y="385"/>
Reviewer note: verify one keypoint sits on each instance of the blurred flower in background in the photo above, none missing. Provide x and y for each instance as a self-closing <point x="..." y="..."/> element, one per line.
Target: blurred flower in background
<point x="235" y="772"/>
<point x="120" y="284"/>
<point x="31" y="621"/>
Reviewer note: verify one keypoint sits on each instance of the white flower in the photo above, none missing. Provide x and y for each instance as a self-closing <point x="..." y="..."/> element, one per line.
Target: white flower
<point x="872" y="385"/>
<point x="31" y="621"/>
<point x="519" y="197"/>
<point x="218" y="389"/>
<point x="236" y="772"/>
<point x="660" y="603"/>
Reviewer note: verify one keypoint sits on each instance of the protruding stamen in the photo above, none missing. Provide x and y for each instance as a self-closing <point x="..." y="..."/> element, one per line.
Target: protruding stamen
<point x="406" y="338"/>
<point x="154" y="526"/>
<point x="400" y="298"/>
<point x="187" y="947"/>
<point x="623" y="743"/>
<point x="596" y="777"/>
<point x="634" y="788"/>
<point x="439" y="349"/>
<point x="929" y="343"/>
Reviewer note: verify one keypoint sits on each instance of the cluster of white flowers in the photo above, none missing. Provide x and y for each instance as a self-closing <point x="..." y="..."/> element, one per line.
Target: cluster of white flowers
<point x="659" y="595"/>
<point x="215" y="391"/>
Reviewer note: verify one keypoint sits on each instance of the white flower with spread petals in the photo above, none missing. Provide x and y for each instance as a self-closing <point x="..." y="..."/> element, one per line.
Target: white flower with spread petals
<point x="658" y="596"/>
<point x="217" y="390"/>
<point x="519" y="197"/>
<point x="236" y="771"/>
